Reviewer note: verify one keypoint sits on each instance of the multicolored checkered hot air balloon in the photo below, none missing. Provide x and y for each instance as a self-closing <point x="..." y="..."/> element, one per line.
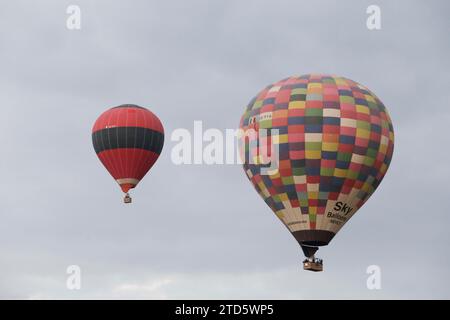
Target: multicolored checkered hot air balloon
<point x="128" y="140"/>
<point x="332" y="141"/>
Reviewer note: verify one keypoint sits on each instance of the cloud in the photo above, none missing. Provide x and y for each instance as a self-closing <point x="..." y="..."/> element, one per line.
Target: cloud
<point x="202" y="231"/>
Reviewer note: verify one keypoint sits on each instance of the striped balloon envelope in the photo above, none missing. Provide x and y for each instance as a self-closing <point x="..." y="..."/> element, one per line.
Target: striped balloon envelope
<point x="128" y="140"/>
<point x="332" y="141"/>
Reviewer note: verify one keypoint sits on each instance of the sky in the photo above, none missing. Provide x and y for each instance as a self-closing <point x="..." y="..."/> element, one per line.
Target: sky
<point x="201" y="231"/>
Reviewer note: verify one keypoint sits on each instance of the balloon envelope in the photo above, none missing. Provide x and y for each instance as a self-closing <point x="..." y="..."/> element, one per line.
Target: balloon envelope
<point x="128" y="139"/>
<point x="333" y="141"/>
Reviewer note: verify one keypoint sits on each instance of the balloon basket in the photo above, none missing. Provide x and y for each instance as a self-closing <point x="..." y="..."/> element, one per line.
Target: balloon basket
<point x="127" y="199"/>
<point x="314" y="264"/>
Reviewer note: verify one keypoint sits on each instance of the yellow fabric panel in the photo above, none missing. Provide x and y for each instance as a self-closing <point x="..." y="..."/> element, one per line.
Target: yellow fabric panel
<point x="340" y="173"/>
<point x="327" y="146"/>
<point x="362" y="109"/>
<point x="313" y="154"/>
<point x="297" y="105"/>
<point x="361" y="133"/>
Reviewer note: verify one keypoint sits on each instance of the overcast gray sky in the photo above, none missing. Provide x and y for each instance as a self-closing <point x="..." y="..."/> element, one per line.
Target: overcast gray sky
<point x="202" y="231"/>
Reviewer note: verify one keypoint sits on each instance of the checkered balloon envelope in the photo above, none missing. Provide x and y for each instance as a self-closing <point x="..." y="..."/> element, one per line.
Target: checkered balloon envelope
<point x="315" y="147"/>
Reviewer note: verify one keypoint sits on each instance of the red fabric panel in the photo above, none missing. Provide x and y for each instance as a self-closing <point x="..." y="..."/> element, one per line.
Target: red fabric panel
<point x="128" y="163"/>
<point x="128" y="116"/>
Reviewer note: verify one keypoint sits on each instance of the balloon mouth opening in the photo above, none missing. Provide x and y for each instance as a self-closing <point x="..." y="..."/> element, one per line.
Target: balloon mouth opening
<point x="127" y="186"/>
<point x="127" y="183"/>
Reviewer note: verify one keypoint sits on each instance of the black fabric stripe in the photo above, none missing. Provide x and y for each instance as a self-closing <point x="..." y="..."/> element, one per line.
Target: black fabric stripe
<point x="313" y="238"/>
<point x="128" y="137"/>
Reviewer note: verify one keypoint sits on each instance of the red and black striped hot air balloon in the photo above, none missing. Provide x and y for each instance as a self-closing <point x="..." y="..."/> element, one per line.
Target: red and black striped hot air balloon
<point x="128" y="140"/>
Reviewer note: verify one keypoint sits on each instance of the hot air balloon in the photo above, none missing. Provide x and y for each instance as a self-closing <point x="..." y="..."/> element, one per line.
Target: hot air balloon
<point x="334" y="141"/>
<point x="128" y="140"/>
